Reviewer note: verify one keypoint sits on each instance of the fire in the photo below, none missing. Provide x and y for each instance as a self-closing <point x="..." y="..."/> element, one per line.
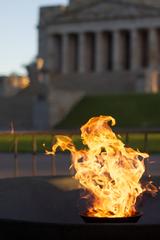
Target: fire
<point x="109" y="171"/>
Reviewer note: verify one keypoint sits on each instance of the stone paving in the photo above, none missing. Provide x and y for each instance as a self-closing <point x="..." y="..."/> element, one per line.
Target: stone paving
<point x="42" y="165"/>
<point x="33" y="165"/>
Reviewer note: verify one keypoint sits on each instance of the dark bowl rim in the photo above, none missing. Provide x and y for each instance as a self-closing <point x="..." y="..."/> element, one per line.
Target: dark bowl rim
<point x="137" y="215"/>
<point x="108" y="220"/>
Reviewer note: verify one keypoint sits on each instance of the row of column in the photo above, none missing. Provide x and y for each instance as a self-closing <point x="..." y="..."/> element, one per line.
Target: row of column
<point x="102" y="51"/>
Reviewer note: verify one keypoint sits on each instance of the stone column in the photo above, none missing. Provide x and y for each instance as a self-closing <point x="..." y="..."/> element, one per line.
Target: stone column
<point x="117" y="51"/>
<point x="153" y="48"/>
<point x="151" y="81"/>
<point x="65" y="53"/>
<point x="81" y="52"/>
<point x="135" y="50"/>
<point x="100" y="52"/>
<point x="50" y="53"/>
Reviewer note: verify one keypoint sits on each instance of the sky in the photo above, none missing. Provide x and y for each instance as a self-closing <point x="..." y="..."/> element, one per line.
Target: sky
<point x="18" y="33"/>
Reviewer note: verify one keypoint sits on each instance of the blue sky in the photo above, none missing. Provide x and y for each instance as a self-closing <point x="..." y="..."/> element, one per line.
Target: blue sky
<point x="18" y="34"/>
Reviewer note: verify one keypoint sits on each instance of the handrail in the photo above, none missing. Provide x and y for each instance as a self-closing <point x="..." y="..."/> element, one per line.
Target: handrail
<point x="70" y="132"/>
<point x="77" y="131"/>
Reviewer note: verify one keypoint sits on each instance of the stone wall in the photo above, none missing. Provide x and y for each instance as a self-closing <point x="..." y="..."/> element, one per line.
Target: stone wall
<point x="60" y="103"/>
<point x="2" y="85"/>
<point x="17" y="109"/>
<point x="99" y="83"/>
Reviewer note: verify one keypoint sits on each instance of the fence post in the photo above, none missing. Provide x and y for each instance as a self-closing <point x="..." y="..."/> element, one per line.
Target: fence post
<point x="53" y="160"/>
<point x="34" y="145"/>
<point x="145" y="141"/>
<point x="15" y="146"/>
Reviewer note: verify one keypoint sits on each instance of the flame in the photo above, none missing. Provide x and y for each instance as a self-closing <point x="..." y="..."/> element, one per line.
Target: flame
<point x="109" y="171"/>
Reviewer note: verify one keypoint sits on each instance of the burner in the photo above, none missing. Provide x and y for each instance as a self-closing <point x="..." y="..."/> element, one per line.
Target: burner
<point x="90" y="219"/>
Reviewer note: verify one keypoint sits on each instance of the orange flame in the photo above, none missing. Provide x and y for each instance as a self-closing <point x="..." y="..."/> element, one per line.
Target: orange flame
<point x="109" y="171"/>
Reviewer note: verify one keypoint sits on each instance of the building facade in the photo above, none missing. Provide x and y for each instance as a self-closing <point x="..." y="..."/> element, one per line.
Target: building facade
<point x="99" y="47"/>
<point x="2" y="85"/>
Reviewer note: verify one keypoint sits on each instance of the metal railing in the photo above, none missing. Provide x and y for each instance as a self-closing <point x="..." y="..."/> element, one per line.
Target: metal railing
<point x="144" y="132"/>
<point x="125" y="132"/>
<point x="16" y="135"/>
<point x="34" y="144"/>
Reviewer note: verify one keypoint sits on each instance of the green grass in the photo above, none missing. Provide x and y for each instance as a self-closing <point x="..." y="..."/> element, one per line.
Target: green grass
<point x="132" y="110"/>
<point x="25" y="143"/>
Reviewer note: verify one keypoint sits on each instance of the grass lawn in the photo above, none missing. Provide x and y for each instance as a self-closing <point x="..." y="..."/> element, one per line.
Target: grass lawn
<point x="25" y="143"/>
<point x="132" y="110"/>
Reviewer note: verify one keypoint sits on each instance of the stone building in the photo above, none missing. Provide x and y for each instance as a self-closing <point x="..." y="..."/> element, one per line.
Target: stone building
<point x="2" y="85"/>
<point x="12" y="84"/>
<point x="16" y="103"/>
<point x="98" y="47"/>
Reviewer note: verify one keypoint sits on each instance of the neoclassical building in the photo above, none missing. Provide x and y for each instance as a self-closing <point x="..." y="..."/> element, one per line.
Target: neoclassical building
<point x="99" y="47"/>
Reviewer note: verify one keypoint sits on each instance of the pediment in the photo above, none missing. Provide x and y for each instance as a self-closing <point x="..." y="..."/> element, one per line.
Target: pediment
<point x="107" y="9"/>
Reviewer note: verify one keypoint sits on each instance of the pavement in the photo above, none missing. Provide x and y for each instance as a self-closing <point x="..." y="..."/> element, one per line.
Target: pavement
<point x="39" y="204"/>
<point x="56" y="200"/>
<point x="34" y="165"/>
<point x="43" y="165"/>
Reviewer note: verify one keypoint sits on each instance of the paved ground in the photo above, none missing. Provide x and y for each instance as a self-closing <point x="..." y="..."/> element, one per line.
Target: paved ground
<point x="29" y="165"/>
<point x="56" y="200"/>
<point x="42" y="165"/>
<point x="50" y="206"/>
